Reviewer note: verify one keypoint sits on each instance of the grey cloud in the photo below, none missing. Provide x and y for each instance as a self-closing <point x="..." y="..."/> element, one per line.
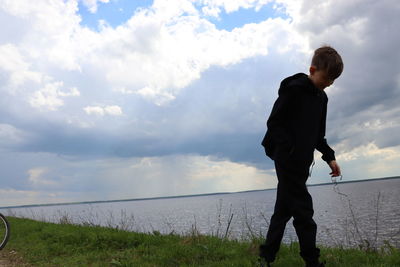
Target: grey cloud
<point x="365" y="33"/>
<point x="222" y="115"/>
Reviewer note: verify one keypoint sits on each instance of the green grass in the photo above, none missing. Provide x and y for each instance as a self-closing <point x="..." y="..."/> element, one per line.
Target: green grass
<point x="48" y="244"/>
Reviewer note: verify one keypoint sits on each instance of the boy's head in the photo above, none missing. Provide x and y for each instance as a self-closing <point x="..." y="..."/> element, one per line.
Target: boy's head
<point x="326" y="66"/>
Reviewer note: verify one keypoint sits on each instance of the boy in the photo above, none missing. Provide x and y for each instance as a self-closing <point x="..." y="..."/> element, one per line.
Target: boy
<point x="296" y="127"/>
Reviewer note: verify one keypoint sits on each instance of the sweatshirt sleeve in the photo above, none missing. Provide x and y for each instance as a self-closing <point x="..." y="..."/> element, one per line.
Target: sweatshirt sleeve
<point x="328" y="154"/>
<point x="277" y="119"/>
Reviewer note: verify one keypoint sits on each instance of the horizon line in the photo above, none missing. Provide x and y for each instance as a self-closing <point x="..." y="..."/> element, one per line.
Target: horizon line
<point x="182" y="196"/>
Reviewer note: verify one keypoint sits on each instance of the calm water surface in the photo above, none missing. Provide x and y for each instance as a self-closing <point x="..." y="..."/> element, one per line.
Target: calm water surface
<point x="345" y="214"/>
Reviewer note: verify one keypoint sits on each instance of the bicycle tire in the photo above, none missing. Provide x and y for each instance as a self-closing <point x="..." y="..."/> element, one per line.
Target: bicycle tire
<point x="4" y="231"/>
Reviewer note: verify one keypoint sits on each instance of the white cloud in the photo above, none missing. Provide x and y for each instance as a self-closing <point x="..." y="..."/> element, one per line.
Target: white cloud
<point x="53" y="36"/>
<point x="213" y="7"/>
<point x="49" y="97"/>
<point x="158" y="55"/>
<point x="73" y="91"/>
<point x="113" y="110"/>
<point x="22" y="80"/>
<point x="123" y="90"/>
<point x="10" y="134"/>
<point x="229" y="176"/>
<point x="369" y="150"/>
<point x="101" y="111"/>
<point x="92" y="4"/>
<point x="157" y="95"/>
<point x="37" y="176"/>
<point x="17" y="68"/>
<point x="212" y="11"/>
<point x="11" y="60"/>
<point x="369" y="161"/>
<point x="94" y="110"/>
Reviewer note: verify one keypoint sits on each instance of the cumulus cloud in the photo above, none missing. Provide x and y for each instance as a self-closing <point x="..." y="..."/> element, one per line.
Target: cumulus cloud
<point x="156" y="53"/>
<point x="9" y="135"/>
<point x="161" y="50"/>
<point x="101" y="111"/>
<point x="36" y="176"/>
<point x="49" y="97"/>
<point x="17" y="68"/>
<point x="51" y="32"/>
<point x="94" y="110"/>
<point x="214" y="7"/>
<point x="92" y="4"/>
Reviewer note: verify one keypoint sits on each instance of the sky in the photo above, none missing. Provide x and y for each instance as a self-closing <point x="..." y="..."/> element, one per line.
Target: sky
<point x="118" y="99"/>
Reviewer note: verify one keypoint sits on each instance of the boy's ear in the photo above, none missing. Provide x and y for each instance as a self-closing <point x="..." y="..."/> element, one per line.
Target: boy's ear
<point x="312" y="69"/>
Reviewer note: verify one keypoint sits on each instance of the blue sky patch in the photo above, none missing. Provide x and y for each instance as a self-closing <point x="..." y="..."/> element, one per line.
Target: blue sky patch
<point x="118" y="12"/>
<point x="114" y="13"/>
<point x="229" y="21"/>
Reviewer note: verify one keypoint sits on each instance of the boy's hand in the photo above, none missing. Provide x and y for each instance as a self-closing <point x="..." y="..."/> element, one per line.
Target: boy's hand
<point x="335" y="168"/>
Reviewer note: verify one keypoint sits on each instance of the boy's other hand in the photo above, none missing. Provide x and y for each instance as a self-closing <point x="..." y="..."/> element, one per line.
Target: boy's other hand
<point x="335" y="168"/>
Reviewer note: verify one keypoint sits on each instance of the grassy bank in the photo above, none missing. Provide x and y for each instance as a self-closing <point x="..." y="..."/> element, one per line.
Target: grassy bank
<point x="47" y="244"/>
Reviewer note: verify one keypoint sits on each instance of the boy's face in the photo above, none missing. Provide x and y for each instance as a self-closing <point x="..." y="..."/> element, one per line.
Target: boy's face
<point x="320" y="78"/>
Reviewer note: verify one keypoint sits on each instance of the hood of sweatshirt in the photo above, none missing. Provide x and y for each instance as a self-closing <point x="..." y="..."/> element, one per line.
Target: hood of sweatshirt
<point x="299" y="81"/>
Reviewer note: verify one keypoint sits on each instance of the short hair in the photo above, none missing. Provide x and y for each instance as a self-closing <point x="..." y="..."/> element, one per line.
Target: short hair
<point x="328" y="59"/>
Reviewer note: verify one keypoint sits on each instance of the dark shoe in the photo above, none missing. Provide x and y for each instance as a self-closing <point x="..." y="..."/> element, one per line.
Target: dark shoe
<point x="263" y="253"/>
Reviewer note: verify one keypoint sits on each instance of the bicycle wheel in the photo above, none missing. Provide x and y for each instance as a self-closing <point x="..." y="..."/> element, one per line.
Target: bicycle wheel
<point x="4" y="231"/>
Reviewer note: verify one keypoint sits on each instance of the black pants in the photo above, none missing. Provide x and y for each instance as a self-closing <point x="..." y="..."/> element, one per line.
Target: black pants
<point x="292" y="200"/>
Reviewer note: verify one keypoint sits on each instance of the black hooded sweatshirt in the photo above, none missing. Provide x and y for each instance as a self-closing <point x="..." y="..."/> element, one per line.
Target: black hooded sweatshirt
<point x="296" y="126"/>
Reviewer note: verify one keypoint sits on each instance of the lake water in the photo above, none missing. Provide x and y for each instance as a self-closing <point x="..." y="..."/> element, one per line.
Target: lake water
<point x="369" y="211"/>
